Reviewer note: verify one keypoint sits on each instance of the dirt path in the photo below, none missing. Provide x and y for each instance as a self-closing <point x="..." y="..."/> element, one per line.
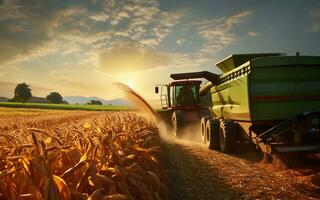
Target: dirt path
<point x="197" y="173"/>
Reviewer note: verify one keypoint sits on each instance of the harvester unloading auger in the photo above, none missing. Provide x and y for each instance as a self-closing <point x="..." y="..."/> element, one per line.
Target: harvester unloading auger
<point x="271" y="100"/>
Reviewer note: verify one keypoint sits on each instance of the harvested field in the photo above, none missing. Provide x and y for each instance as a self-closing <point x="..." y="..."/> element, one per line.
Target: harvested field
<point x="79" y="155"/>
<point x="195" y="172"/>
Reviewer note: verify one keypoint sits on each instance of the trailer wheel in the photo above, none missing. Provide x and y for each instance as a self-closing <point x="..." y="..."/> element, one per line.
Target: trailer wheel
<point x="212" y="134"/>
<point x="177" y="123"/>
<point x="228" y="136"/>
<point x="203" y="128"/>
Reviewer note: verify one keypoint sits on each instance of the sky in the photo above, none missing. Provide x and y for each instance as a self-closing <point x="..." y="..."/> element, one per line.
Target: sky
<point x="80" y="48"/>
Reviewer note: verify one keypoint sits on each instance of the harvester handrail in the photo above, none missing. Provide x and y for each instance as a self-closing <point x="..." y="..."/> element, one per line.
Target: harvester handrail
<point x="235" y="73"/>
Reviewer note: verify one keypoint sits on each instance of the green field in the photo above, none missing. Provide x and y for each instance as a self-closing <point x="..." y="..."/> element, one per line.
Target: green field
<point x="63" y="106"/>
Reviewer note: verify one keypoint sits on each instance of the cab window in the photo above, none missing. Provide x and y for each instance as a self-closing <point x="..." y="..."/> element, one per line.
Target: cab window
<point x="186" y="94"/>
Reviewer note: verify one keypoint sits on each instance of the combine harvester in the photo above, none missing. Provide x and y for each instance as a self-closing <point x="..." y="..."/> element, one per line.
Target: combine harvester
<point x="181" y="101"/>
<point x="271" y="100"/>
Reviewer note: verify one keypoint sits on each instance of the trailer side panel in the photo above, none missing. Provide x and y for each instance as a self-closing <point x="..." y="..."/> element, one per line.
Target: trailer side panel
<point x="283" y="87"/>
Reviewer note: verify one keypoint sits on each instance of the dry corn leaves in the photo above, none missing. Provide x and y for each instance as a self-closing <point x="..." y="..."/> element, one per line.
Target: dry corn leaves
<point x="111" y="157"/>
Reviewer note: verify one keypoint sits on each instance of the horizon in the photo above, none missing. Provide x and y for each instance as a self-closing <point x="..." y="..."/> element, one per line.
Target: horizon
<point x="82" y="48"/>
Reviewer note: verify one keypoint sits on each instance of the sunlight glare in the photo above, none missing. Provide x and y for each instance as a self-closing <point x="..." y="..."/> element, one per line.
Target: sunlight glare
<point x="130" y="83"/>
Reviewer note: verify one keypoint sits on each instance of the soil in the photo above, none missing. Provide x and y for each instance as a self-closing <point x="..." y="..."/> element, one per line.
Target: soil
<point x="195" y="172"/>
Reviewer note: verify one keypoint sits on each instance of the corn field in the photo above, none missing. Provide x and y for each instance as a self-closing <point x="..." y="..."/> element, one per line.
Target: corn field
<point x="111" y="156"/>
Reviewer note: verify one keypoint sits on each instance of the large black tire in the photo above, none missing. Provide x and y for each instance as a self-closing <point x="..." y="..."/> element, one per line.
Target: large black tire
<point x="177" y="123"/>
<point x="212" y="140"/>
<point x="203" y="128"/>
<point x="228" y="136"/>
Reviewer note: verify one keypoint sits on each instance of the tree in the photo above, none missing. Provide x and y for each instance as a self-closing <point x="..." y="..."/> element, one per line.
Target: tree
<point x="54" y="97"/>
<point x="94" y="102"/>
<point x="22" y="92"/>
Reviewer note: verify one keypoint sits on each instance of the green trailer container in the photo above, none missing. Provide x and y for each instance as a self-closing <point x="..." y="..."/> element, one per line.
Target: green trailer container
<point x="272" y="100"/>
<point x="268" y="88"/>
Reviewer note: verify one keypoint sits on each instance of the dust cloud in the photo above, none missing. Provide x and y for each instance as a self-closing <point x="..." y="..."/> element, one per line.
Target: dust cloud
<point x="138" y="101"/>
<point x="143" y="106"/>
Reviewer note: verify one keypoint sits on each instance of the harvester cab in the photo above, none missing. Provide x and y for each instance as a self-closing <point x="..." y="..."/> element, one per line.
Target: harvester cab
<point x="182" y="99"/>
<point x="182" y="94"/>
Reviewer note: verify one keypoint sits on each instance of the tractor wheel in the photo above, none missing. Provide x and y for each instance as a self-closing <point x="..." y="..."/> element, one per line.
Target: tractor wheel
<point x="177" y="123"/>
<point x="203" y="128"/>
<point x="228" y="136"/>
<point x="212" y="134"/>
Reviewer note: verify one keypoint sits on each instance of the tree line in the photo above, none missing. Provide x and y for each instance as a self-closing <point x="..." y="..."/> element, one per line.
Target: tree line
<point x="23" y="93"/>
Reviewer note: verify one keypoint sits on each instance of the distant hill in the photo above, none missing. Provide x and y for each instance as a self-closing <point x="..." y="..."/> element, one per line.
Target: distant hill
<point x="4" y="99"/>
<point x="84" y="100"/>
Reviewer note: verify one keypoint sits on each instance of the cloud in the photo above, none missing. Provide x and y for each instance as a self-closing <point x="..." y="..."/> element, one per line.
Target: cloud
<point x="149" y="42"/>
<point x="315" y="25"/>
<point x="148" y="25"/>
<point x="129" y="57"/>
<point x="253" y="34"/>
<point x="14" y="51"/>
<point x="53" y="72"/>
<point x="111" y="36"/>
<point x="180" y="41"/>
<point x="217" y="32"/>
<point x="30" y="30"/>
<point x="165" y="22"/>
<point x="102" y="17"/>
<point x="315" y="12"/>
<point x="119" y="17"/>
<point x="62" y="71"/>
<point x="12" y="28"/>
<point x="142" y="26"/>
